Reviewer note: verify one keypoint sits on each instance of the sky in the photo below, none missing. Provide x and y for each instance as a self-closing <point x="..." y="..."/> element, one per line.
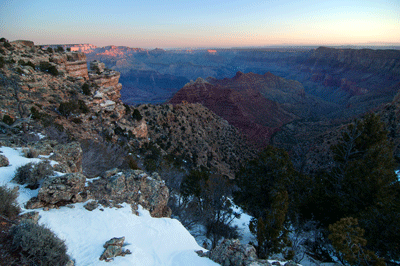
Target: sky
<point x="205" y="23"/>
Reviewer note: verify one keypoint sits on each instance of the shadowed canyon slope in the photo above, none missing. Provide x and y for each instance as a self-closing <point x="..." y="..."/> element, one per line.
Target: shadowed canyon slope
<point x="241" y="102"/>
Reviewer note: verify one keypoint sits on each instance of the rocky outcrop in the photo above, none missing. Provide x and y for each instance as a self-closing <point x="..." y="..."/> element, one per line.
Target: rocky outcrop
<point x="66" y="188"/>
<point x="68" y="156"/>
<point x="44" y="92"/>
<point x="114" y="248"/>
<point x="233" y="253"/>
<point x="73" y="63"/>
<point x="134" y="187"/>
<point x="230" y="252"/>
<point x="60" y="191"/>
<point x="3" y="161"/>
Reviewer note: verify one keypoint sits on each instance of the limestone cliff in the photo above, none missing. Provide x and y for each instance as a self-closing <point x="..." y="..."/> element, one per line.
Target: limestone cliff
<point x="40" y="84"/>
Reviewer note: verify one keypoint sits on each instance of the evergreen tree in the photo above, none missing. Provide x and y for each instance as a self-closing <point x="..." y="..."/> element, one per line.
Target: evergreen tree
<point x="210" y="193"/>
<point x="362" y="184"/>
<point x="263" y="186"/>
<point x="349" y="243"/>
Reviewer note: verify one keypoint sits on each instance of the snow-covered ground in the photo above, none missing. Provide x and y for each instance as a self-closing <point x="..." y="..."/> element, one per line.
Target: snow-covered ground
<point x="152" y="241"/>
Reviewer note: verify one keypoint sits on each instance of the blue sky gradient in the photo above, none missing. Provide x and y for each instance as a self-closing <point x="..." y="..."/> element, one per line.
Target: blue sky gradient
<point x="194" y="23"/>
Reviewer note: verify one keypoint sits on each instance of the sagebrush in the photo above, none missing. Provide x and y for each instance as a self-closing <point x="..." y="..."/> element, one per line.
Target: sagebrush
<point x="38" y="244"/>
<point x="8" y="207"/>
<point x="32" y="173"/>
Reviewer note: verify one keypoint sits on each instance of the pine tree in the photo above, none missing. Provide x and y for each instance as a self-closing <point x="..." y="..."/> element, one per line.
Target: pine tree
<point x="263" y="192"/>
<point x="349" y="243"/>
<point x="362" y="184"/>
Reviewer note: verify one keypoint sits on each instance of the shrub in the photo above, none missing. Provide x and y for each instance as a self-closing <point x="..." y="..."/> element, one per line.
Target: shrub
<point x="32" y="173"/>
<point x="35" y="113"/>
<point x="8" y="206"/>
<point x="99" y="157"/>
<point x="31" y="153"/>
<point x="27" y="63"/>
<point x="1" y="62"/>
<point x="136" y="115"/>
<point x="50" y="50"/>
<point x="39" y="244"/>
<point x="60" y="49"/>
<point x="76" y="120"/>
<point x="132" y="164"/>
<point x="49" y="68"/>
<point x="8" y="120"/>
<point x="7" y="45"/>
<point x="86" y="89"/>
<point x="348" y="241"/>
<point x="56" y="132"/>
<point x="127" y="108"/>
<point x="72" y="107"/>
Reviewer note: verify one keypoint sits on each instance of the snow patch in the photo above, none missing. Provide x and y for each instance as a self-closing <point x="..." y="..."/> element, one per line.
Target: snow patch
<point x="152" y="241"/>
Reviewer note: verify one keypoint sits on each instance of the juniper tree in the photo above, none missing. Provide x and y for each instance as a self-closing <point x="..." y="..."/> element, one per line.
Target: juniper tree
<point x="263" y="186"/>
<point x="363" y="185"/>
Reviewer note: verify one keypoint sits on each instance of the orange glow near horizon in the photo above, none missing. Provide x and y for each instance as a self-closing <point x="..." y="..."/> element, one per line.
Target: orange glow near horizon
<point x="206" y="23"/>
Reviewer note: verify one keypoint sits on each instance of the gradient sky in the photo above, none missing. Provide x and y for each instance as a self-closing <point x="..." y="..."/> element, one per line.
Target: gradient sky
<point x="205" y="23"/>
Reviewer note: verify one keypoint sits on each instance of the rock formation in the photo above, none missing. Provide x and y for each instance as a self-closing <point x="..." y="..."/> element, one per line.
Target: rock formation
<point x="230" y="252"/>
<point x="28" y="90"/>
<point x="114" y="248"/>
<point x="134" y="187"/>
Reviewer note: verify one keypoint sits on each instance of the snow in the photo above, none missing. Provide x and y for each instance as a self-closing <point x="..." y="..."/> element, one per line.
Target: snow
<point x="152" y="241"/>
<point x="243" y="224"/>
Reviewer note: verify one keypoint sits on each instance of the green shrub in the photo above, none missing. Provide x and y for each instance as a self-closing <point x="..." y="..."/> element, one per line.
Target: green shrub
<point x="31" y="153"/>
<point x="50" y="50"/>
<point x="349" y="242"/>
<point x="32" y="173"/>
<point x="27" y="63"/>
<point x="49" y="68"/>
<point x="35" y="113"/>
<point x="60" y="49"/>
<point x="86" y="89"/>
<point x="127" y="109"/>
<point x="1" y="62"/>
<point x="8" y="206"/>
<point x="83" y="107"/>
<point x="132" y="163"/>
<point x="8" y="120"/>
<point x="137" y="115"/>
<point x="39" y="244"/>
<point x="7" y="44"/>
<point x="72" y="107"/>
<point x="76" y="120"/>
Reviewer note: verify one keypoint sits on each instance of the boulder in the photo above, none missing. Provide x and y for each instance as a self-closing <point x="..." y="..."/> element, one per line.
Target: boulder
<point x="62" y="189"/>
<point x="134" y="187"/>
<point x="69" y="157"/>
<point x="90" y="206"/>
<point x="3" y="161"/>
<point x="30" y="216"/>
<point x="232" y="253"/>
<point x="114" y="248"/>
